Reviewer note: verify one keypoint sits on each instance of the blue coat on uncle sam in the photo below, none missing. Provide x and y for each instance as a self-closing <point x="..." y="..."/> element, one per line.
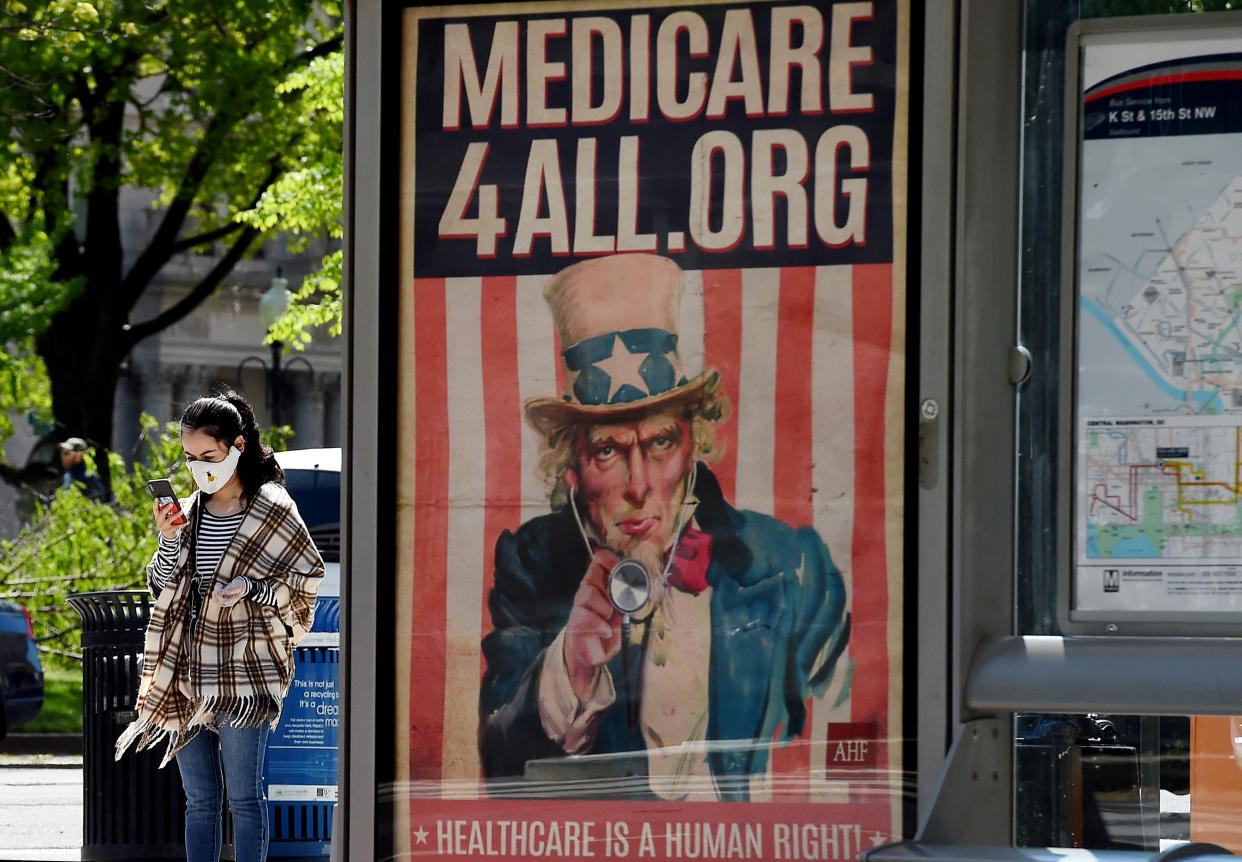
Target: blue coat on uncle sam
<point x="777" y="607"/>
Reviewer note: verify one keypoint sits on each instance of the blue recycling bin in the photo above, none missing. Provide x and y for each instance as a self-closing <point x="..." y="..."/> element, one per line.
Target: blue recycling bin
<point x="300" y="772"/>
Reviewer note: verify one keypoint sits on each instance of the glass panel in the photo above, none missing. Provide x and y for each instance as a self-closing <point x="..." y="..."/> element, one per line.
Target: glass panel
<point x="1095" y="781"/>
<point x="1102" y="781"/>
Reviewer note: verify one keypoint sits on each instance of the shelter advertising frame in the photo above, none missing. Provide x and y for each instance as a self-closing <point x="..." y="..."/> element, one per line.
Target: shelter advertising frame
<point x="757" y="223"/>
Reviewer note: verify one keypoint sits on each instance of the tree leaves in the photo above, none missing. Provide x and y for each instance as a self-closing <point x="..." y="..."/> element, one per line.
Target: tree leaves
<point x="316" y="305"/>
<point x="307" y="200"/>
<point x="206" y="109"/>
<point x="74" y="545"/>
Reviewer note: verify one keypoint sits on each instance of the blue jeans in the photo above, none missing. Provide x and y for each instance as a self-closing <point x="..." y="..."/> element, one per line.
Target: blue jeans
<point x="240" y="751"/>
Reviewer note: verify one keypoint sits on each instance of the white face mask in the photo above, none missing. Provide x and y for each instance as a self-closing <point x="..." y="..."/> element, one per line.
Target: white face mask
<point x="212" y="476"/>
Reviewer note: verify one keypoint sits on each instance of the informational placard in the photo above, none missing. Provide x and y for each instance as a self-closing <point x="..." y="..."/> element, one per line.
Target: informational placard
<point x="652" y="310"/>
<point x="302" y="752"/>
<point x="1158" y="492"/>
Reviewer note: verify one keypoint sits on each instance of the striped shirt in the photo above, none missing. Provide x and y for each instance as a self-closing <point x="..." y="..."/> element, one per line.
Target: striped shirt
<point x="215" y="533"/>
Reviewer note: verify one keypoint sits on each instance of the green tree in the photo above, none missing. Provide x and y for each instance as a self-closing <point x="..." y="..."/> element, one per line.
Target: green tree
<point x="189" y="99"/>
<point x="307" y="201"/>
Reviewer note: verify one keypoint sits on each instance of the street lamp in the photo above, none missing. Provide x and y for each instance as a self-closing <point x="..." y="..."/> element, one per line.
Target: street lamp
<point x="272" y="305"/>
<point x="274" y="302"/>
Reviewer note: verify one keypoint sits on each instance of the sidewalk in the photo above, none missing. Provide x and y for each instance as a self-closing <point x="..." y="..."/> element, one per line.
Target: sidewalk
<point x="41" y="802"/>
<point x="40" y="761"/>
<point x="40" y="798"/>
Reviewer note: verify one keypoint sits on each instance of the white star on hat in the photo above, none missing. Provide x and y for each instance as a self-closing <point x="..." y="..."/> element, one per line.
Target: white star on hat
<point x="622" y="368"/>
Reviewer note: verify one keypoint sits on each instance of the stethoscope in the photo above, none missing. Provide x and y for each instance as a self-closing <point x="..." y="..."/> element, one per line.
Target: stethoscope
<point x="630" y="585"/>
<point x="630" y="588"/>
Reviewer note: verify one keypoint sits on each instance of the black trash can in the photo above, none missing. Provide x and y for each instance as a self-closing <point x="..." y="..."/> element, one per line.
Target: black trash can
<point x="132" y="809"/>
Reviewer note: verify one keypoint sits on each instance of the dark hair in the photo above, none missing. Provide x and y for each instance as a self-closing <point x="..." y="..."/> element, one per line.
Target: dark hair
<point x="226" y="417"/>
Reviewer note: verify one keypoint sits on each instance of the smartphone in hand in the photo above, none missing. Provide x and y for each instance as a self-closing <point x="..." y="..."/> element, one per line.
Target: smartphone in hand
<point x="162" y="491"/>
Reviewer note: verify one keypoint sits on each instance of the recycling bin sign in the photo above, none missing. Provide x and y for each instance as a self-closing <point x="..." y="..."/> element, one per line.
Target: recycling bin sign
<point x="302" y="751"/>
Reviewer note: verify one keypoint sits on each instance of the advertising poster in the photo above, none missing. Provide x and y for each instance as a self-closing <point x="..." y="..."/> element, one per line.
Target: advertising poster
<point x="651" y="455"/>
<point x="1159" y="385"/>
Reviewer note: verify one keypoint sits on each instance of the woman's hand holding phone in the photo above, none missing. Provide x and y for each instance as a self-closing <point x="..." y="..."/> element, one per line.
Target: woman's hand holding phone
<point x="168" y="519"/>
<point x="167" y="511"/>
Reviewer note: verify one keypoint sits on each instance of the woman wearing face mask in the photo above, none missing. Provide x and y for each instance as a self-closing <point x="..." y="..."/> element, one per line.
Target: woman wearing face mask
<point x="235" y="590"/>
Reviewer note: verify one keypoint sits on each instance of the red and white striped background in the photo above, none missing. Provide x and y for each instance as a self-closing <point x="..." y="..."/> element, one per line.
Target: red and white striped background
<point x="805" y="356"/>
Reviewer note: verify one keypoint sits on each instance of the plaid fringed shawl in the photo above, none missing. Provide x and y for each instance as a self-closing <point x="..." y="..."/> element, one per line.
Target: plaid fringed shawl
<point x="235" y="665"/>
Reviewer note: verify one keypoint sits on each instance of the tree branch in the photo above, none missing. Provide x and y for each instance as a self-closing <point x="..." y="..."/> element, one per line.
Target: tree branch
<point x="163" y="244"/>
<point x="206" y="237"/>
<point x="40" y="185"/>
<point x="11" y="474"/>
<point x="7" y="233"/>
<point x="173" y="246"/>
<point x="81" y="90"/>
<point x="323" y="49"/>
<point x="196" y="296"/>
<point x="29" y="478"/>
<point x="160" y="247"/>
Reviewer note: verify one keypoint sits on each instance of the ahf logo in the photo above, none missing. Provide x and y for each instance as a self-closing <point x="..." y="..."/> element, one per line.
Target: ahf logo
<point x="1112" y="580"/>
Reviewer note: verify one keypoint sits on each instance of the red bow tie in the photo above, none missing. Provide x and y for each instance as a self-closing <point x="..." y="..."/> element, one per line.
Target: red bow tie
<point x="691" y="558"/>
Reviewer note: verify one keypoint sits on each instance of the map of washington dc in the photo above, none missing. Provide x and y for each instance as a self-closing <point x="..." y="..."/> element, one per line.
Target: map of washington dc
<point x="1184" y="319"/>
<point x="1163" y="491"/>
<point x="1158" y="328"/>
<point x="1160" y="352"/>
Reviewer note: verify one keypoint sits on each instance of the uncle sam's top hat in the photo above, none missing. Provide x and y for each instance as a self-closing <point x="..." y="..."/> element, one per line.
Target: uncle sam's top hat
<point x="617" y="321"/>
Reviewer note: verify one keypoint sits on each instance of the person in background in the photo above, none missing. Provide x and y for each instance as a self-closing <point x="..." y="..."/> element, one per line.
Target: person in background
<point x="72" y="452"/>
<point x="234" y="592"/>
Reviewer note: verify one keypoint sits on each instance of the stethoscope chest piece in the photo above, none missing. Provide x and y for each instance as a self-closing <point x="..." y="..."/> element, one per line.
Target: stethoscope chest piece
<point x="629" y="587"/>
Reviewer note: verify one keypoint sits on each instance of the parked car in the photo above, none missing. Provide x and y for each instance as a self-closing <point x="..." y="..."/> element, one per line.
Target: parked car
<point x="313" y="477"/>
<point x="21" y="672"/>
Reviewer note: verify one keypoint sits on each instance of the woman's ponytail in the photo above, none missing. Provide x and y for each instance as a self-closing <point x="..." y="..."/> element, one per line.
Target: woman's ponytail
<point x="258" y="462"/>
